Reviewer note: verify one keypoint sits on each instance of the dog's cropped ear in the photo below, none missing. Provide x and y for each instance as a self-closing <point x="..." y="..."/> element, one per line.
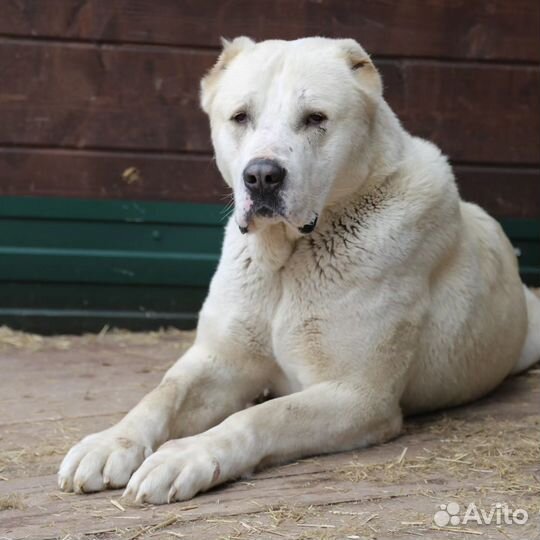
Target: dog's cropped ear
<point x="362" y="66"/>
<point x="230" y="50"/>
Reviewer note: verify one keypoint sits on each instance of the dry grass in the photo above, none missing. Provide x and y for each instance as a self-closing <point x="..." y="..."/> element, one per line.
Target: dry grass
<point x="13" y="501"/>
<point x="300" y="523"/>
<point x="501" y="453"/>
<point x="283" y="512"/>
<point x="24" y="457"/>
<point x="16" y="340"/>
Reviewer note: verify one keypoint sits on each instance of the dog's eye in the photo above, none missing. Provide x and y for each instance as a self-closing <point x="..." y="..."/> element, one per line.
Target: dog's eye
<point x="315" y="119"/>
<point x="240" y="117"/>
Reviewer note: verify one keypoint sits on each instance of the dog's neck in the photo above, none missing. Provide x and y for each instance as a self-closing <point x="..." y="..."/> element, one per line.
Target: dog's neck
<point x="374" y="165"/>
<point x="273" y="245"/>
<point x="382" y="156"/>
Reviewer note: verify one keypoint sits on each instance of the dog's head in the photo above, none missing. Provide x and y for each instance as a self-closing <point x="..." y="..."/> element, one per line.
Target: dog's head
<point x="290" y="121"/>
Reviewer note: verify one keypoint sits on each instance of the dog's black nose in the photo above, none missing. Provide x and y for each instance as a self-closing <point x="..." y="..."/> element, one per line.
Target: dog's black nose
<point x="263" y="176"/>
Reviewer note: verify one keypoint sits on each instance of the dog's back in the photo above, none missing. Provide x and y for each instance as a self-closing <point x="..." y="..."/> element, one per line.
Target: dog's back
<point x="477" y="321"/>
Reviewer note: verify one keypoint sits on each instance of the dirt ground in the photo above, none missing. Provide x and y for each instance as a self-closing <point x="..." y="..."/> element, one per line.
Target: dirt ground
<point x="55" y="390"/>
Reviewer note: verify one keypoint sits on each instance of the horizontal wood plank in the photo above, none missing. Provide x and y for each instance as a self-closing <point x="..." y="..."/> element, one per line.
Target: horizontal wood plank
<point x="475" y="113"/>
<point x="499" y="29"/>
<point x="88" y="96"/>
<point x="110" y="175"/>
<point x="139" y="98"/>
<point x="504" y="192"/>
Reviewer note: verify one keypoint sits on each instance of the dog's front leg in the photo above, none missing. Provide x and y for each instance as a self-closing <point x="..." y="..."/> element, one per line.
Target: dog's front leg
<point x="199" y="391"/>
<point x="326" y="417"/>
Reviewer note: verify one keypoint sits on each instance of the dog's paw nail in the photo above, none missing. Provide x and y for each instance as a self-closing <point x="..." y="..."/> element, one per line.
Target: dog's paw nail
<point x="171" y="495"/>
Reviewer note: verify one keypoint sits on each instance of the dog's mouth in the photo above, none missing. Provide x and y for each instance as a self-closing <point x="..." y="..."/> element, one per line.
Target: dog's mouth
<point x="267" y="211"/>
<point x="309" y="227"/>
<point x="274" y="213"/>
<point x="272" y="208"/>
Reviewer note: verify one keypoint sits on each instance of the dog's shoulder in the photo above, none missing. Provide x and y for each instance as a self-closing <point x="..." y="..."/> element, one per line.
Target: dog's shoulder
<point x="425" y="201"/>
<point x="414" y="209"/>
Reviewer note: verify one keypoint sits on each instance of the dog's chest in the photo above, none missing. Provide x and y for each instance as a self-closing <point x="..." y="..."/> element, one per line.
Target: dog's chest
<point x="287" y="295"/>
<point x="292" y="308"/>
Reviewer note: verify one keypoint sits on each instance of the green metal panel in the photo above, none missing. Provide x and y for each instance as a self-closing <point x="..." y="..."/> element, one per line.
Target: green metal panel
<point x="100" y="266"/>
<point x="67" y="240"/>
<point x="94" y="235"/>
<point x="59" y="208"/>
<point x="525" y="236"/>
<point x="74" y="265"/>
<point x="75" y="308"/>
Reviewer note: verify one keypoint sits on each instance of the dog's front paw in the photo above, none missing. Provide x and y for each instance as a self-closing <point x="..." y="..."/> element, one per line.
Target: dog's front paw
<point x="177" y="471"/>
<point x="100" y="461"/>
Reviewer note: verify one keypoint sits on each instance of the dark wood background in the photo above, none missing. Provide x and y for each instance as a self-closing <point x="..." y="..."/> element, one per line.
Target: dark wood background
<point x="90" y="89"/>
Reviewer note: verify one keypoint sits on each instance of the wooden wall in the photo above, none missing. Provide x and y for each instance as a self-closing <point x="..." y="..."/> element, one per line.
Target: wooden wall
<point x="90" y="89"/>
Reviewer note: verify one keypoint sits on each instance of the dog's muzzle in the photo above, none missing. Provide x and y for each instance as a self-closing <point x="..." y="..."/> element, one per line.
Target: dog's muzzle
<point x="263" y="179"/>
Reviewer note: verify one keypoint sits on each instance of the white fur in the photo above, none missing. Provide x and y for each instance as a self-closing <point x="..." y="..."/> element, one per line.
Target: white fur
<point x="531" y="350"/>
<point x="404" y="298"/>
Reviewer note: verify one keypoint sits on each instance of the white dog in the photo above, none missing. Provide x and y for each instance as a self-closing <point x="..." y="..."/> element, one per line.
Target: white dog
<point x="354" y="285"/>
